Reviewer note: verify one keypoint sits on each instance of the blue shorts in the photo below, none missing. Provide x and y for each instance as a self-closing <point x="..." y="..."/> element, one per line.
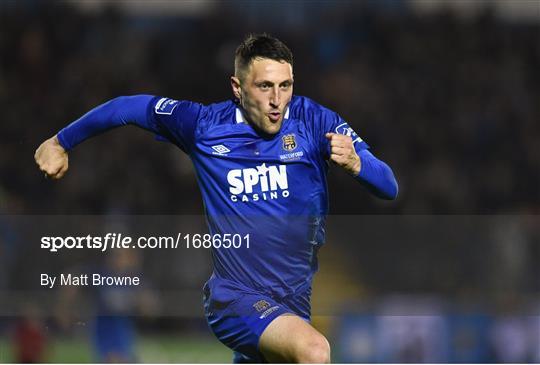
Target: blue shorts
<point x="238" y="316"/>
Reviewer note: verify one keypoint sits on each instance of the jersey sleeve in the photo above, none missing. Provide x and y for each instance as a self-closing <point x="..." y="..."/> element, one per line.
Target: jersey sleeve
<point x="376" y="175"/>
<point x="331" y="122"/>
<point x="171" y="120"/>
<point x="175" y="120"/>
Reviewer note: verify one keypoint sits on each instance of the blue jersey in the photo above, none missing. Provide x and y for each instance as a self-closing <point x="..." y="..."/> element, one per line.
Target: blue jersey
<point x="273" y="188"/>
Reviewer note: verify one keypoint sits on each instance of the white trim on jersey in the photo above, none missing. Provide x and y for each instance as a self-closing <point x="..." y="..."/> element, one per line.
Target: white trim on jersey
<point x="240" y="116"/>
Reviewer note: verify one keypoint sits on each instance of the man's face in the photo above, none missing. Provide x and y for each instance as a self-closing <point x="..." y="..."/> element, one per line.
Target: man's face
<point x="264" y="90"/>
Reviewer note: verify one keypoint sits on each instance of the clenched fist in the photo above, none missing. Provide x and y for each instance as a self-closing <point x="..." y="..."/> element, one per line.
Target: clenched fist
<point x="343" y="153"/>
<point x="52" y="158"/>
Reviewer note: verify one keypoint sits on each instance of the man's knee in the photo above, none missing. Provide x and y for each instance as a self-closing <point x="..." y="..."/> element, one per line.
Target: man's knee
<point x="290" y="339"/>
<point x="315" y="350"/>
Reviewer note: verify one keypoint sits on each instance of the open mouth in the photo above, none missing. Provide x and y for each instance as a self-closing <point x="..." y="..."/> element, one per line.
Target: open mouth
<point x="274" y="116"/>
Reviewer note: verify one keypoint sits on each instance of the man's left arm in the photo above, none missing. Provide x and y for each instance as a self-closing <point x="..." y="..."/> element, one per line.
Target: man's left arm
<point x="363" y="165"/>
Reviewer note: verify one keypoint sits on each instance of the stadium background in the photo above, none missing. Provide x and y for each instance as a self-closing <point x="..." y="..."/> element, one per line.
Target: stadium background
<point x="448" y="93"/>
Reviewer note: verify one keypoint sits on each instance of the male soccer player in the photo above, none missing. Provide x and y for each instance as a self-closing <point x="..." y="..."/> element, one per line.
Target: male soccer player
<point x="261" y="162"/>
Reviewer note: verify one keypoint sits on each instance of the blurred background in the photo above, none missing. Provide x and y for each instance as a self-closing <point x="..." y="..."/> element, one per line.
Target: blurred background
<point x="447" y="92"/>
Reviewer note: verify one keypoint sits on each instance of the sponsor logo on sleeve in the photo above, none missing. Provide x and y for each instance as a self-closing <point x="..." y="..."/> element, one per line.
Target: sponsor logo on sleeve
<point x="165" y="106"/>
<point x="344" y="128"/>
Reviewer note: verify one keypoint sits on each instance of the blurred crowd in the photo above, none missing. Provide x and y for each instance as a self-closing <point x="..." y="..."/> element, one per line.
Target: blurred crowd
<point x="451" y="104"/>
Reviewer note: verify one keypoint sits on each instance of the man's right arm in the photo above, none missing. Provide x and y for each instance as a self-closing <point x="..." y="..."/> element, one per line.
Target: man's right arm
<point x="51" y="156"/>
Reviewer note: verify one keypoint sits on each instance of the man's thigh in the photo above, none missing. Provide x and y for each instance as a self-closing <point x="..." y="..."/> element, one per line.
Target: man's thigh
<point x="289" y="338"/>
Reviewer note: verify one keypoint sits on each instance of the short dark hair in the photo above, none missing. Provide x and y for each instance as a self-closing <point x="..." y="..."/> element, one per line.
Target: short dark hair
<point x="261" y="46"/>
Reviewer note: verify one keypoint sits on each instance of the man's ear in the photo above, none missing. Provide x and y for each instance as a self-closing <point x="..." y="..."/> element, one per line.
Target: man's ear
<point x="236" y="88"/>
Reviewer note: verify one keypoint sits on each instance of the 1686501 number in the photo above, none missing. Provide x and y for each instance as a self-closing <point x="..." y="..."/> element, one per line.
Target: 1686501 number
<point x="226" y="240"/>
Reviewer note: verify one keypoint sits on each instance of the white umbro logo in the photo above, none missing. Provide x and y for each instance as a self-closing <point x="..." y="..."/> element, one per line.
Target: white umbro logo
<point x="221" y="149"/>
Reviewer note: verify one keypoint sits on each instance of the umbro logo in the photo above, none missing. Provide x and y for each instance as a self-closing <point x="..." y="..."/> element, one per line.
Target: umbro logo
<point x="221" y="149"/>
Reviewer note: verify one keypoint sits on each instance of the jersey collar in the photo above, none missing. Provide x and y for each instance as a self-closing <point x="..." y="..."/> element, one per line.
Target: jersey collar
<point x="240" y="116"/>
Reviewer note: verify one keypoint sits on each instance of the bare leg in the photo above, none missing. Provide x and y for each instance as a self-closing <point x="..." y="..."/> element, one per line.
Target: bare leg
<point x="291" y="339"/>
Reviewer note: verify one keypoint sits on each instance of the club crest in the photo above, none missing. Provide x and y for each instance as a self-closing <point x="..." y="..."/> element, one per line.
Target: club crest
<point x="261" y="305"/>
<point x="289" y="142"/>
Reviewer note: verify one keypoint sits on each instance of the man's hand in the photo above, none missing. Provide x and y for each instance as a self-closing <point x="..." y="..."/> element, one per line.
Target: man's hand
<point x="343" y="153"/>
<point x="52" y="158"/>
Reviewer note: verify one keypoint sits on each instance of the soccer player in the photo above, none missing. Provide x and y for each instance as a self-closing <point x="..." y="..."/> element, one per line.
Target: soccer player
<point x="261" y="161"/>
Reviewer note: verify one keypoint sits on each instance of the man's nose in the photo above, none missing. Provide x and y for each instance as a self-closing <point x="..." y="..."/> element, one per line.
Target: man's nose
<point x="275" y="98"/>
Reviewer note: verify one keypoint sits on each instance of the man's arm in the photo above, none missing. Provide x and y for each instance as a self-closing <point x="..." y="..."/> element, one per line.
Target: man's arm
<point x="370" y="171"/>
<point x="52" y="157"/>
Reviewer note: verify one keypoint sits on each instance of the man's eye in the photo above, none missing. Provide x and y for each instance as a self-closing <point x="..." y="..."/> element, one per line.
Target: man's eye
<point x="285" y="86"/>
<point x="264" y="86"/>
